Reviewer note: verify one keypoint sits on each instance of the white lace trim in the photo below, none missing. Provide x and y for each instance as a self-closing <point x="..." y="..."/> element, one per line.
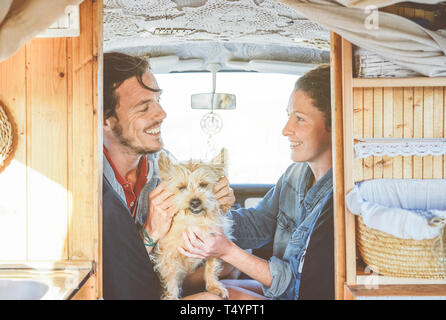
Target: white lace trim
<point x="399" y="147"/>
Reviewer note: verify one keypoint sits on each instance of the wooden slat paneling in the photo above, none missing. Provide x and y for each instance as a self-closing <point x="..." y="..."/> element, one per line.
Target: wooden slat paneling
<point x="378" y="127"/>
<point x="368" y="130"/>
<point x="347" y="95"/>
<point x="399" y="82"/>
<point x="338" y="163"/>
<point x="13" y="217"/>
<point x="408" y="129"/>
<point x="398" y="127"/>
<point x="358" y="126"/>
<point x="438" y="130"/>
<point x="428" y="129"/>
<point x="82" y="155"/>
<point x="387" y="129"/>
<point x="409" y="112"/>
<point x="51" y="188"/>
<point x="418" y="129"/>
<point x="47" y="149"/>
<point x="98" y="139"/>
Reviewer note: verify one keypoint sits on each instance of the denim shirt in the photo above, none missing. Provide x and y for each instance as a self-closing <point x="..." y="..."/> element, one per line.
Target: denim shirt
<point x="286" y="215"/>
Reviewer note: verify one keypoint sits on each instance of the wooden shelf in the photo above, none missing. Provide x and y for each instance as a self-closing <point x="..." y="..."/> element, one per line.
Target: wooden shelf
<point x="411" y="292"/>
<point x="367" y="277"/>
<point x="398" y="82"/>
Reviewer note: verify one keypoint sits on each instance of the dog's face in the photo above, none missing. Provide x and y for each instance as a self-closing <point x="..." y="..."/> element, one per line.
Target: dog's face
<point x="192" y="183"/>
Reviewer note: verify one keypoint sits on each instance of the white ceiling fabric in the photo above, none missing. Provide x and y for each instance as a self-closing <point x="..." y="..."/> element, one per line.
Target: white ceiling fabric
<point x="215" y="30"/>
<point x="397" y="39"/>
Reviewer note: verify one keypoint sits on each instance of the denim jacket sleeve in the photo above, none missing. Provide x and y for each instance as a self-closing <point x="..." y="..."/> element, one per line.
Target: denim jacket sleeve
<point x="254" y="227"/>
<point x="283" y="279"/>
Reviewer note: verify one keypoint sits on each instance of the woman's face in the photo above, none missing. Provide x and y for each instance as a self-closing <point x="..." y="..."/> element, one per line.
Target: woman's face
<point x="310" y="141"/>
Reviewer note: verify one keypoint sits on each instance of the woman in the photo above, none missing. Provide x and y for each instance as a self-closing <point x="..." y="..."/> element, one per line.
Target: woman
<point x="297" y="214"/>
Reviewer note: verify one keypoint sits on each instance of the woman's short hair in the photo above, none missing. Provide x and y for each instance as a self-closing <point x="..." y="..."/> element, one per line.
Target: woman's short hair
<point x="316" y="84"/>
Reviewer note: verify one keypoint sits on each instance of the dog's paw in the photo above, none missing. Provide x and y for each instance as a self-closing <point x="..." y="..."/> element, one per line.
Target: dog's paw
<point x="219" y="290"/>
<point x="169" y="297"/>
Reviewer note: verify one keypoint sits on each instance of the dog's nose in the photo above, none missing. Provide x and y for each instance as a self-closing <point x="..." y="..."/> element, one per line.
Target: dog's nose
<point x="195" y="203"/>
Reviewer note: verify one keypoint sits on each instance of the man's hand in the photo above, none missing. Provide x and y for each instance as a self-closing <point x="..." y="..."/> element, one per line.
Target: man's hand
<point x="161" y="212"/>
<point x="225" y="195"/>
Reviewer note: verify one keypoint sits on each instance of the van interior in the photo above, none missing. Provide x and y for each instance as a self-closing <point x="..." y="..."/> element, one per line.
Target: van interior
<point x="226" y="69"/>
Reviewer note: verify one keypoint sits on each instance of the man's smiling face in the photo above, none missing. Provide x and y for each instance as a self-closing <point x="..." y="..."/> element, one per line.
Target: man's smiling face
<point x="139" y="116"/>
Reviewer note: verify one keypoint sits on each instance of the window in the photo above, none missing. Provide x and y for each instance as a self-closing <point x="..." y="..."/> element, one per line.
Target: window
<point x="252" y="133"/>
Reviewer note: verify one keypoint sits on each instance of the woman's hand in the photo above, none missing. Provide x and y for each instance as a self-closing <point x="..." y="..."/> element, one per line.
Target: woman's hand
<point x="225" y="195"/>
<point x="203" y="245"/>
<point x="161" y="212"/>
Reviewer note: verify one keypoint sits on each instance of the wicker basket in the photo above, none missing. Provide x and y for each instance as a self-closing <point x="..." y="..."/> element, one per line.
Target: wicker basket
<point x="5" y="136"/>
<point x="405" y="258"/>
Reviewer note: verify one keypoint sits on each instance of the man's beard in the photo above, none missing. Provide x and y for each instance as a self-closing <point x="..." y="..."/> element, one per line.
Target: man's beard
<point x="117" y="131"/>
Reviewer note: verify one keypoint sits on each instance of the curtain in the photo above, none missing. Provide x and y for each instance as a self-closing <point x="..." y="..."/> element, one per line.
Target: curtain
<point x="395" y="38"/>
<point x="379" y="3"/>
<point x="22" y="20"/>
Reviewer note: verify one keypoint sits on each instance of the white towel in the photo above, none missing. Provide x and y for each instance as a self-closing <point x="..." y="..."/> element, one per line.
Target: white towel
<point x="400" y="207"/>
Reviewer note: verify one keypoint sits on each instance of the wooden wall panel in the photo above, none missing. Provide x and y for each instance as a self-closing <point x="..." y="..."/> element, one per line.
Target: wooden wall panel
<point x="417" y="164"/>
<point x="13" y="187"/>
<point x="47" y="148"/>
<point x="82" y="153"/>
<point x="358" y="127"/>
<point x="50" y="192"/>
<point x="348" y="127"/>
<point x="398" y="127"/>
<point x="428" y="129"/>
<point x="338" y="164"/>
<point x="408" y="129"/>
<point x="438" y="130"/>
<point x="368" y="130"/>
<point x="387" y="162"/>
<point x="409" y="112"/>
<point x="378" y="126"/>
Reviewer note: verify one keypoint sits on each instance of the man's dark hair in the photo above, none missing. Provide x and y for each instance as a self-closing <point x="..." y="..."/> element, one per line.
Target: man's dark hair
<point x="316" y="84"/>
<point x="119" y="67"/>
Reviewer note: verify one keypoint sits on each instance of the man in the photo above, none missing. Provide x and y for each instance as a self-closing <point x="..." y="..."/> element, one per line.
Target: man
<point x="137" y="210"/>
<point x="297" y="214"/>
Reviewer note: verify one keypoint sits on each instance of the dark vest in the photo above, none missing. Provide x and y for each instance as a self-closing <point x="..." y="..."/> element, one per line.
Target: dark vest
<point x="127" y="270"/>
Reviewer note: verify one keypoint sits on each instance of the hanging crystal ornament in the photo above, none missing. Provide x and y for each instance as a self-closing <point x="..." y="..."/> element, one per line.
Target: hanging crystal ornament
<point x="211" y="123"/>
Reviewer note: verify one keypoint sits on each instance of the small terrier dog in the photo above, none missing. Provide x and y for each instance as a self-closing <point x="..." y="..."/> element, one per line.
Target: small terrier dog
<point x="192" y="183"/>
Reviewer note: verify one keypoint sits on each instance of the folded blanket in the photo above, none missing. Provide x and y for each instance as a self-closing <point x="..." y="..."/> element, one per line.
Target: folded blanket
<point x="404" y="208"/>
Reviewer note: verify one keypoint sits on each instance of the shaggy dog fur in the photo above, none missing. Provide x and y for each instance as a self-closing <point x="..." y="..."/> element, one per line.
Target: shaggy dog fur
<point x="192" y="183"/>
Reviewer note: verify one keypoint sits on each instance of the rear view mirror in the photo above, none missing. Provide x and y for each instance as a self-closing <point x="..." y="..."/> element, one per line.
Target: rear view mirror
<point x="213" y="101"/>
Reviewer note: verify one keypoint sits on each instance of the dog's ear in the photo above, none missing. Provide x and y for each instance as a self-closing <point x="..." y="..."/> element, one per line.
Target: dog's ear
<point x="222" y="157"/>
<point x="164" y="162"/>
<point x="221" y="161"/>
